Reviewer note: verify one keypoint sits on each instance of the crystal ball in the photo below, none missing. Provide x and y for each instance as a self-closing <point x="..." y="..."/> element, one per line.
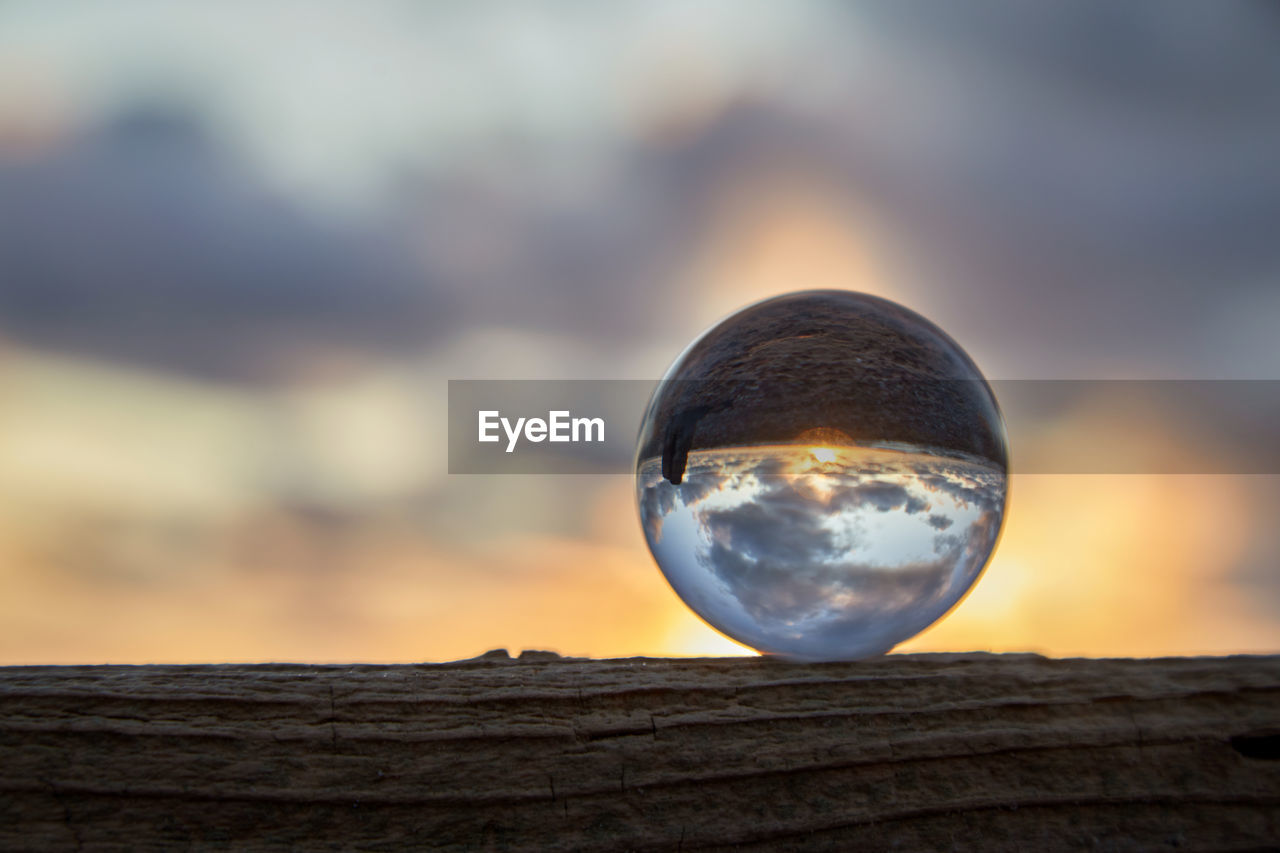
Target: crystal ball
<point x="822" y="475"/>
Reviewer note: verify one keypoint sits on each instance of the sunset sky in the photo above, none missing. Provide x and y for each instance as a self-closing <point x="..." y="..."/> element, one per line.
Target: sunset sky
<point x="244" y="248"/>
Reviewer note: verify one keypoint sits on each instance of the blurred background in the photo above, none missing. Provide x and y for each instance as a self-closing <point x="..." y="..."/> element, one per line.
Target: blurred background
<point x="244" y="245"/>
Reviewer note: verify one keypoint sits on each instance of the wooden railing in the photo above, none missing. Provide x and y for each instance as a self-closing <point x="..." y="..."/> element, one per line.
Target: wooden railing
<point x="982" y="752"/>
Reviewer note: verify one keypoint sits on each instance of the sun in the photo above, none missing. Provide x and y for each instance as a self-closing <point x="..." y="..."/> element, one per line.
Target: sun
<point x="823" y="454"/>
<point x="823" y="443"/>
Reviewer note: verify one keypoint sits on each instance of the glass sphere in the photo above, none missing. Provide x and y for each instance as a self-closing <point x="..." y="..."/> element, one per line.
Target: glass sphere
<point x="822" y="475"/>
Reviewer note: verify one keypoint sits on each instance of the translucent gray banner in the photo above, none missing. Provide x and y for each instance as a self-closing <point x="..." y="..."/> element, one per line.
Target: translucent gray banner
<point x="1054" y="426"/>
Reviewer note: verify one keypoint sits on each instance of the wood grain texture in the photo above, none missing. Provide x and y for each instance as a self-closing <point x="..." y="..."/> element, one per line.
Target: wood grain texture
<point x="983" y="752"/>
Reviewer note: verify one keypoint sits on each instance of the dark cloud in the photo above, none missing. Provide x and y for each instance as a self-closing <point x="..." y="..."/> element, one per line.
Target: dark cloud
<point x="146" y="241"/>
<point x="777" y="592"/>
<point x="1114" y="127"/>
<point x="880" y="495"/>
<point x="693" y="491"/>
<point x="1110" y="176"/>
<point x="656" y="502"/>
<point x="658" y="498"/>
<point x="1055" y="172"/>
<point x="987" y="494"/>
<point x="780" y="526"/>
<point x="883" y="496"/>
<point x="778" y="559"/>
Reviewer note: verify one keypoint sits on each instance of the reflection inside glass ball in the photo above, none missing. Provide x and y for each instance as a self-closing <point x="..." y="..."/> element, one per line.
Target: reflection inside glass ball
<point x="822" y="552"/>
<point x="822" y="475"/>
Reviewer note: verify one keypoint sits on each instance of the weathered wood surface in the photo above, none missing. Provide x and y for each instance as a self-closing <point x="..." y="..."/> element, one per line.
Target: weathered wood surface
<point x="982" y="752"/>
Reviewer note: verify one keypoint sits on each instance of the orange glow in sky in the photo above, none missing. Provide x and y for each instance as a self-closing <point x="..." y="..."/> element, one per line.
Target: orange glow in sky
<point x="135" y="525"/>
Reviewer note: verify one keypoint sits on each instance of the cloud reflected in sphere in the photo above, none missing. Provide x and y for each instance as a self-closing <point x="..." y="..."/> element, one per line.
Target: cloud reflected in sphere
<point x="822" y="475"/>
